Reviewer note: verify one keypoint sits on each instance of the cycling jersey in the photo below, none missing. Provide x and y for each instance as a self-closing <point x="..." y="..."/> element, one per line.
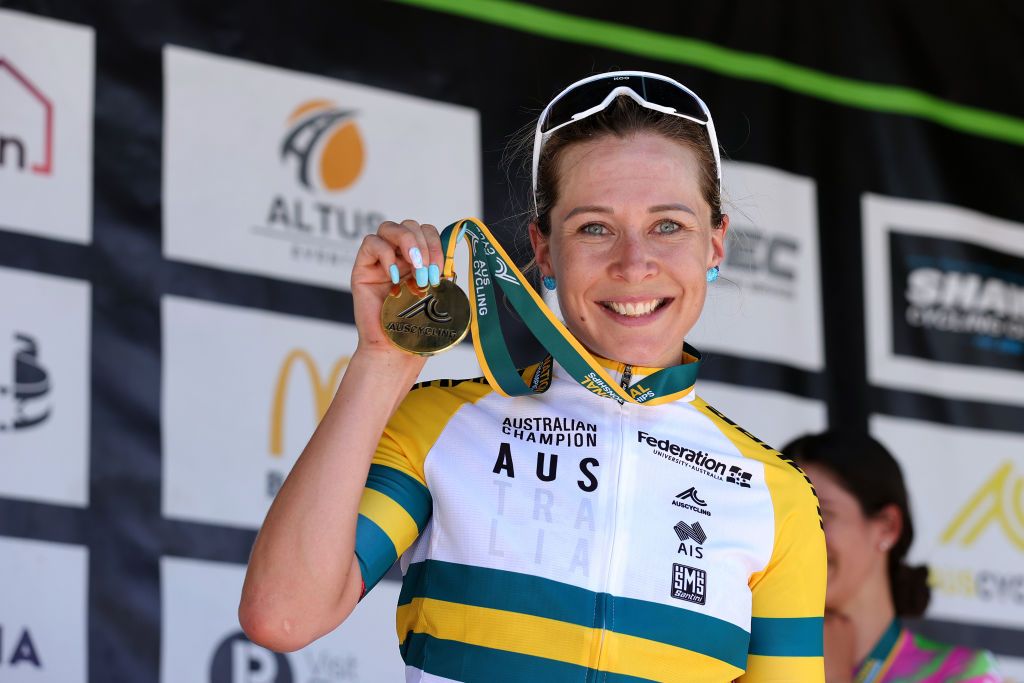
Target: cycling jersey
<point x="900" y="655"/>
<point x="566" y="537"/>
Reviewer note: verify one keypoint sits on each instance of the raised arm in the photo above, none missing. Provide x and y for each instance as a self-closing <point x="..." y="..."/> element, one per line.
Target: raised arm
<point x="303" y="578"/>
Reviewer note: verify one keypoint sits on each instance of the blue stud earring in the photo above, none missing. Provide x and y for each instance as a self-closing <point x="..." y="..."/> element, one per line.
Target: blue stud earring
<point x="712" y="274"/>
<point x="549" y="283"/>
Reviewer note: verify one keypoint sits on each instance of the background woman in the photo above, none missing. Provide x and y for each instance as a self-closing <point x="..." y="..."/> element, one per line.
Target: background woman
<point x="583" y="531"/>
<point x="868" y="531"/>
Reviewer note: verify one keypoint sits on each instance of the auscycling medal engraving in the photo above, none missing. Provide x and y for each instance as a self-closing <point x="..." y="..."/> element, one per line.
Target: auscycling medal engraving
<point x="425" y="321"/>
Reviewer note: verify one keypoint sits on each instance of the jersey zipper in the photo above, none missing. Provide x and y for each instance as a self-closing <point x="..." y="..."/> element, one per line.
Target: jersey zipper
<point x="604" y="606"/>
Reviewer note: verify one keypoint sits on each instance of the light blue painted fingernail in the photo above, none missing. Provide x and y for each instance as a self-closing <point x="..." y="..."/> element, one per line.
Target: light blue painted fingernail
<point x="421" y="277"/>
<point x="393" y="269"/>
<point x="435" y="274"/>
<point x="416" y="257"/>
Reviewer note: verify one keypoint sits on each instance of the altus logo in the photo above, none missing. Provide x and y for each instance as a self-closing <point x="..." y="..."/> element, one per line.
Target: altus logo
<point x="28" y="389"/>
<point x="1000" y="500"/>
<point x="430" y="307"/>
<point x="15" y="149"/>
<point x="326" y="145"/>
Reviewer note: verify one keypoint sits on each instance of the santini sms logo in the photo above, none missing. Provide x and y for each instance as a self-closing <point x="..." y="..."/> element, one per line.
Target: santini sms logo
<point x="325" y="144"/>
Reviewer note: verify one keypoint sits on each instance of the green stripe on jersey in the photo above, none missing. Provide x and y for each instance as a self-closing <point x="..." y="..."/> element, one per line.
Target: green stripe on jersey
<point x="540" y="597"/>
<point x="786" y="637"/>
<point x="374" y="551"/>
<point x="404" y="490"/>
<point x="463" y="662"/>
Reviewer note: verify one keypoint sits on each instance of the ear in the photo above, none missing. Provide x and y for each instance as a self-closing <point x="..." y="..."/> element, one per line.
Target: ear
<point x="890" y="525"/>
<point x="718" y="241"/>
<point x="541" y="249"/>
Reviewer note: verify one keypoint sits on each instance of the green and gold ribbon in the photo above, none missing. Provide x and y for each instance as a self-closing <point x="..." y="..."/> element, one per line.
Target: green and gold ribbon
<point x="490" y="265"/>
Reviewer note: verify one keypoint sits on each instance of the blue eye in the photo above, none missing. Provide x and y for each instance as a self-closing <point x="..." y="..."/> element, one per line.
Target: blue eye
<point x="667" y="227"/>
<point x="593" y="229"/>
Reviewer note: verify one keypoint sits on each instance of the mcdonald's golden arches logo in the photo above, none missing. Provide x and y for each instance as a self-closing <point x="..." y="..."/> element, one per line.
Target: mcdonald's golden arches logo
<point x="326" y="145"/>
<point x="1000" y="500"/>
<point x="323" y="391"/>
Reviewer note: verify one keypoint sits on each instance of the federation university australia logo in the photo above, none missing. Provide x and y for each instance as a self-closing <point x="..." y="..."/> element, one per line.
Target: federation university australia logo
<point x="325" y="145"/>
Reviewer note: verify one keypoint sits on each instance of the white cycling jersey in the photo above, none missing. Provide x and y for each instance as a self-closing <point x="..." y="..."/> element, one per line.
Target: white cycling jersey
<point x="565" y="537"/>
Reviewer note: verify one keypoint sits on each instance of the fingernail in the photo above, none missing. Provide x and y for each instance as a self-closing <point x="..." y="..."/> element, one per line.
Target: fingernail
<point x="393" y="269"/>
<point x="421" y="277"/>
<point x="435" y="274"/>
<point x="416" y="257"/>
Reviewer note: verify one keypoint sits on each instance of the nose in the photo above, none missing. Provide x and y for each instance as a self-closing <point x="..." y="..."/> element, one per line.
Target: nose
<point x="634" y="260"/>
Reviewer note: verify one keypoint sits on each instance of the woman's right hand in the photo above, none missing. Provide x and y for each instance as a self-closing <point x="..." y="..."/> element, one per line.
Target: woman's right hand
<point x="396" y="252"/>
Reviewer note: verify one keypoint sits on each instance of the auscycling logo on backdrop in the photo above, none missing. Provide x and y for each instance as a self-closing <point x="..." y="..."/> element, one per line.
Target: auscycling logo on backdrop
<point x="957" y="302"/>
<point x="28" y="389"/>
<point x="322" y="389"/>
<point x="998" y="502"/>
<point x="323" y="148"/>
<point x="28" y="150"/>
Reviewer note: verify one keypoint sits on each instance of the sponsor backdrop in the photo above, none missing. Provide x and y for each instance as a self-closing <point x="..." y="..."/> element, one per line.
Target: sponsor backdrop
<point x="183" y="189"/>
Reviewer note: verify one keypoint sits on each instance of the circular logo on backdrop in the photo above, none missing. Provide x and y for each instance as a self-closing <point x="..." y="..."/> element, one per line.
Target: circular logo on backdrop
<point x="326" y="145"/>
<point x="238" y="660"/>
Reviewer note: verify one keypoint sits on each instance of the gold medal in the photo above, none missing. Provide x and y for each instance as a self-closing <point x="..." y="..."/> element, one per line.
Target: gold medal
<point x="425" y="321"/>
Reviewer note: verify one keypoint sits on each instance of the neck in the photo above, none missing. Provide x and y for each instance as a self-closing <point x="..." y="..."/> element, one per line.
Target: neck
<point x="871" y="611"/>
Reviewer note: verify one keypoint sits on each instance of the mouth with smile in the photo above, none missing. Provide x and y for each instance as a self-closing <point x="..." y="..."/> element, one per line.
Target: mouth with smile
<point x="634" y="309"/>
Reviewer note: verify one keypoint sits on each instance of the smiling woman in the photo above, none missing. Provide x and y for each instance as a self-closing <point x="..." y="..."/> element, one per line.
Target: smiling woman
<point x="568" y="534"/>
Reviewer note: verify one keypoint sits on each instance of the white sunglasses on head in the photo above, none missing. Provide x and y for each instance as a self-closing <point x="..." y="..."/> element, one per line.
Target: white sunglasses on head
<point x="594" y="93"/>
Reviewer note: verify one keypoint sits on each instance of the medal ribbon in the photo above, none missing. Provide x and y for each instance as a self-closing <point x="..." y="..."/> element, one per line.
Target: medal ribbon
<point x="490" y="265"/>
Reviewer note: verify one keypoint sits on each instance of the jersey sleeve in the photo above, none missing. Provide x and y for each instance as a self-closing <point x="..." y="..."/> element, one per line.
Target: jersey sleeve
<point x="786" y="638"/>
<point x="396" y="503"/>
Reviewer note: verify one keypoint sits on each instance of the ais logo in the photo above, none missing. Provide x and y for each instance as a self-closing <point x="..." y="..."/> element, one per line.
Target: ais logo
<point x="1000" y="501"/>
<point x="325" y="145"/>
<point x="239" y="660"/>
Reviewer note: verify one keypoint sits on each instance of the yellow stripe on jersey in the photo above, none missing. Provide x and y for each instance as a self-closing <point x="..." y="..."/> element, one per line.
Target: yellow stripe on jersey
<point x="525" y="634"/>
<point x="783" y="669"/>
<point x="391" y="517"/>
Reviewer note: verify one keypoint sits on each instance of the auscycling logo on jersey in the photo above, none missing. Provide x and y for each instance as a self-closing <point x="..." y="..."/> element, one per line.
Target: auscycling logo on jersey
<point x="700" y="461"/>
<point x="697" y="505"/>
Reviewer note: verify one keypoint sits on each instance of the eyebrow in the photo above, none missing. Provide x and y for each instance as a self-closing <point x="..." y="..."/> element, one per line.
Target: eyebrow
<point x="657" y="208"/>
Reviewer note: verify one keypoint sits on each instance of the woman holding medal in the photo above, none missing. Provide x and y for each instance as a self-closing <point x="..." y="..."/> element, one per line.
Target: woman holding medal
<point x="588" y="518"/>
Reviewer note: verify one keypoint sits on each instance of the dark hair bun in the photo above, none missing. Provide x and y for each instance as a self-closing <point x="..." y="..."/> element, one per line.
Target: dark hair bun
<point x="910" y="591"/>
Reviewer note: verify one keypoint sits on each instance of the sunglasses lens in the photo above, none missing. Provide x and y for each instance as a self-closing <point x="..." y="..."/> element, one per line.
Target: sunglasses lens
<point x="653" y="90"/>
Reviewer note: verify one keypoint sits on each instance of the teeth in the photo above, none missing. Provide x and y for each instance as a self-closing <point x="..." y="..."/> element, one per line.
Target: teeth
<point x="634" y="310"/>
